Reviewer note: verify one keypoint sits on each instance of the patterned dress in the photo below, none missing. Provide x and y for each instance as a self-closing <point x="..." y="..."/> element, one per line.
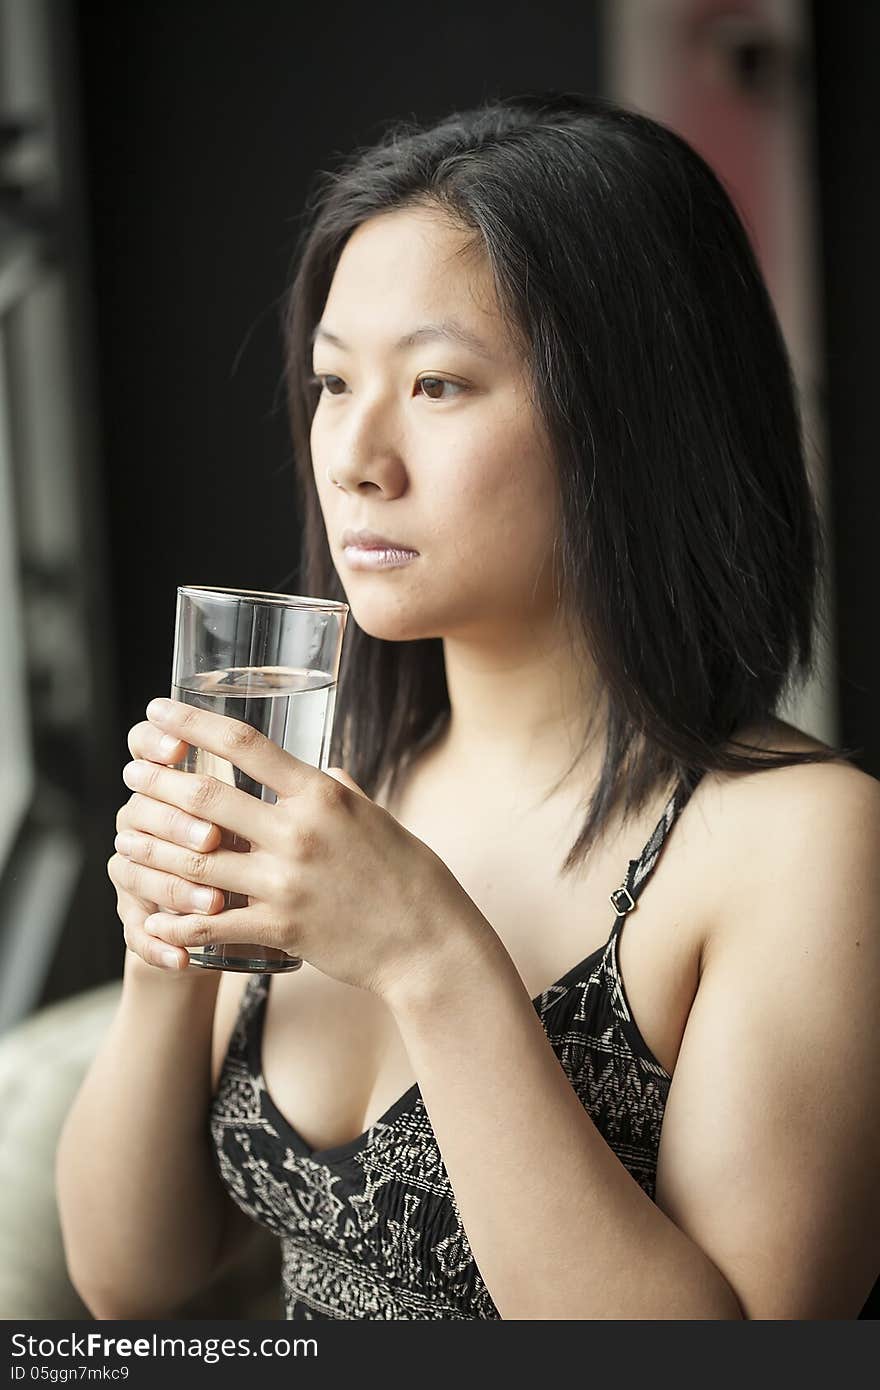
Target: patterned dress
<point x="371" y="1228"/>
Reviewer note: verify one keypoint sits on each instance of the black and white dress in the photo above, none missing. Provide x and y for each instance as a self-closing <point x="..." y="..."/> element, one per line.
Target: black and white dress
<point x="371" y="1229"/>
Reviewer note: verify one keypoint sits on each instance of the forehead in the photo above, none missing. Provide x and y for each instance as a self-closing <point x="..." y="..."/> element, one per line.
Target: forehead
<point x="409" y="264"/>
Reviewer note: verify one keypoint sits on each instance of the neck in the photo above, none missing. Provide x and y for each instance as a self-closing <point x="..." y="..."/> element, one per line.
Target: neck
<point x="520" y="705"/>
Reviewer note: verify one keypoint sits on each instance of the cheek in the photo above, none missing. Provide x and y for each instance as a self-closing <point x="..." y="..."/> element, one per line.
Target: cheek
<point x="502" y="491"/>
<point x="320" y="469"/>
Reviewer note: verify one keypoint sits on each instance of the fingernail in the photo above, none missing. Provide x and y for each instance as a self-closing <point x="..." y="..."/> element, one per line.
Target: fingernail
<point x="202" y="898"/>
<point x="169" y="958"/>
<point x="159" y="710"/>
<point x="167" y="745"/>
<point x="198" y="835"/>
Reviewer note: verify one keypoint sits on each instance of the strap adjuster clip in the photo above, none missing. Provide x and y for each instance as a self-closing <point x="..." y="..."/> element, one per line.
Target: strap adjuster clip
<point x="620" y="909"/>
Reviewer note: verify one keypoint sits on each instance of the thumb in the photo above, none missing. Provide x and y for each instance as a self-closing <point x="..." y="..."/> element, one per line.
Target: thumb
<point x="339" y="775"/>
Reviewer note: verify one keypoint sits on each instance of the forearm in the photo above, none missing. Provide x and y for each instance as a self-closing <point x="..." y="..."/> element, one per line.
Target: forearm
<point x="141" y="1206"/>
<point x="557" y="1225"/>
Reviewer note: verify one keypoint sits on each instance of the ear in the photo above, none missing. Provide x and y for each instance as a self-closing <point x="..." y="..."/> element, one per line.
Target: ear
<point x="339" y="775"/>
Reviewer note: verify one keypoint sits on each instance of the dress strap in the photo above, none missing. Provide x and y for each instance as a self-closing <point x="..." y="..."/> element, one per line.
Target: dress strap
<point x="625" y="898"/>
<point x="248" y="1027"/>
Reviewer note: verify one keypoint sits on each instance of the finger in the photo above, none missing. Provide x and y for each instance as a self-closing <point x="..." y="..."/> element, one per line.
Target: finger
<point x="127" y="903"/>
<point x="222" y="869"/>
<point x="167" y="823"/>
<point x="205" y="798"/>
<point x="244" y="746"/>
<point x="154" y="951"/>
<point x="163" y="889"/>
<point x="132" y="913"/>
<point x="237" y="924"/>
<point x="146" y="741"/>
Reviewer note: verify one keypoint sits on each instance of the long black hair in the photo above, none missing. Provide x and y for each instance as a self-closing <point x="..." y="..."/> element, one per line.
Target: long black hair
<point x="690" y="547"/>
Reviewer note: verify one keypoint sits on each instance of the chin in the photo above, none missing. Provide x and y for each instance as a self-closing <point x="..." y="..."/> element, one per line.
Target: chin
<point x="392" y="627"/>
<point x="390" y="621"/>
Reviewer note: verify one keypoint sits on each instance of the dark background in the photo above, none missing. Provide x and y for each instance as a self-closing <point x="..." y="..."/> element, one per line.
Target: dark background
<point x="846" y="42"/>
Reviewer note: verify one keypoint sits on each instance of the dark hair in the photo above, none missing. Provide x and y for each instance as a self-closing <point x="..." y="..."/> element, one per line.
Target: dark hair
<point x="690" y="547"/>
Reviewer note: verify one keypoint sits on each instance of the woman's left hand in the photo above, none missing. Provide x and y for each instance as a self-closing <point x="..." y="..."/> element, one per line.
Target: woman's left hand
<point x="330" y="876"/>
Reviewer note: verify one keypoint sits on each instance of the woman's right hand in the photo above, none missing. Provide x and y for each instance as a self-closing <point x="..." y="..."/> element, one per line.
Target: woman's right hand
<point x="149" y="819"/>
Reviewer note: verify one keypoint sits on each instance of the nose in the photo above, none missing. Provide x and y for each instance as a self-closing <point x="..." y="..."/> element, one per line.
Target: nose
<point x="365" y="455"/>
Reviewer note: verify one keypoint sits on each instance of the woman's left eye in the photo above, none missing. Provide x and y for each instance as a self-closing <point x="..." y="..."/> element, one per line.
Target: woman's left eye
<point x="434" y="381"/>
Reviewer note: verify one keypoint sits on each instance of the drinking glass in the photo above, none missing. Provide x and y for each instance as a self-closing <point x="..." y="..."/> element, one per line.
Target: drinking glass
<point x="272" y="661"/>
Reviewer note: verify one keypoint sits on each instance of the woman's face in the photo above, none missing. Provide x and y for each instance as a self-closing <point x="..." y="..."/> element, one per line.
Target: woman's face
<point x="432" y="443"/>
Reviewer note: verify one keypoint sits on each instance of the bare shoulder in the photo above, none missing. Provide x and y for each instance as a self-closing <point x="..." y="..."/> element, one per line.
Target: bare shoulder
<point x="756" y="831"/>
<point x="776" y="810"/>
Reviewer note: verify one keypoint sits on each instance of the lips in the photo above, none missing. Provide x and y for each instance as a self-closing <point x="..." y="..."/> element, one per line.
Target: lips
<point x="371" y="540"/>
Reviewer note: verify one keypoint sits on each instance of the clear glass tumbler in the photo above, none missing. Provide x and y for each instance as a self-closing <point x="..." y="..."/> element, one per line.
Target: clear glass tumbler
<point x="272" y="661"/>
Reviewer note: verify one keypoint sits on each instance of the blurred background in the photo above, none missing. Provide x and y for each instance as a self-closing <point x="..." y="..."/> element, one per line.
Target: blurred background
<point x="154" y="165"/>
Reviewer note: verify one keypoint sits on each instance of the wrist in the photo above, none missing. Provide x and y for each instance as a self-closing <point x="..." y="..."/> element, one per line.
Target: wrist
<point x="466" y="948"/>
<point x="190" y="979"/>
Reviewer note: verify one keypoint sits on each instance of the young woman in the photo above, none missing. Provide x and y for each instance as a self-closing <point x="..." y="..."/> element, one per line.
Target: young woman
<point x="585" y="1027"/>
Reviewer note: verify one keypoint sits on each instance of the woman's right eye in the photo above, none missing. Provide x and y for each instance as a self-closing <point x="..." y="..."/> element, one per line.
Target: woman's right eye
<point x="324" y="382"/>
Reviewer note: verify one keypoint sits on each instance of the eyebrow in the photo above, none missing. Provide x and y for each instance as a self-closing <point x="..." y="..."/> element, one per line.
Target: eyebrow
<point x="447" y="329"/>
